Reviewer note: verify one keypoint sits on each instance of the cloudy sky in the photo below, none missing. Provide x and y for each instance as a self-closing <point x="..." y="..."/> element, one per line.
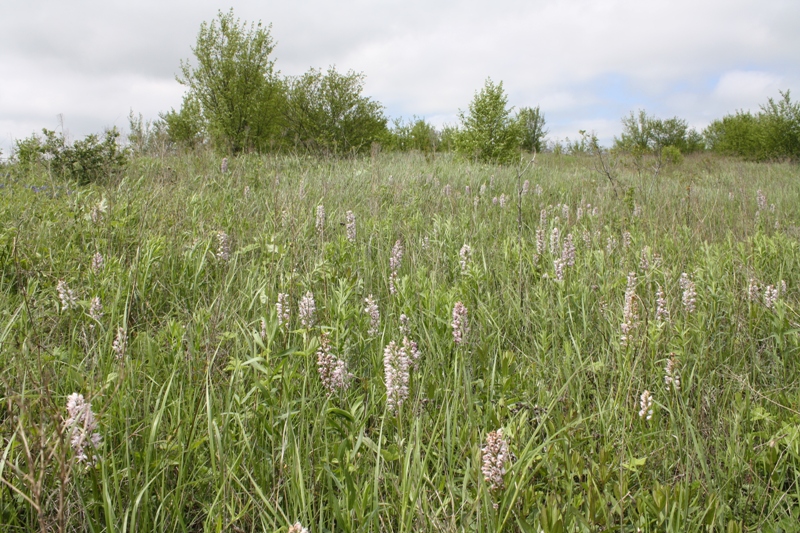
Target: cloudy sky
<point x="585" y="62"/>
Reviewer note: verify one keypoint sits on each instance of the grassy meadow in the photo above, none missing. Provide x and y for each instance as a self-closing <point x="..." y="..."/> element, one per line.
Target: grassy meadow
<point x="637" y="347"/>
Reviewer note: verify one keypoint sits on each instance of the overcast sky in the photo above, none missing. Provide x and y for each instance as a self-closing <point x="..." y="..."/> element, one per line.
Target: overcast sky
<point x="585" y="62"/>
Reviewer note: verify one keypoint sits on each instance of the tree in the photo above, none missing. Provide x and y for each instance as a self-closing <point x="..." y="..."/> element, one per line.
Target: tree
<point x="644" y="134"/>
<point x="328" y="113"/>
<point x="531" y="124"/>
<point x="772" y="133"/>
<point x="234" y="84"/>
<point x="488" y="133"/>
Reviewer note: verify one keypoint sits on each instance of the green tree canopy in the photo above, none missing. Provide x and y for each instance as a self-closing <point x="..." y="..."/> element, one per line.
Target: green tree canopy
<point x="532" y="131"/>
<point x="488" y="132"/>
<point x="327" y="112"/>
<point x="233" y="85"/>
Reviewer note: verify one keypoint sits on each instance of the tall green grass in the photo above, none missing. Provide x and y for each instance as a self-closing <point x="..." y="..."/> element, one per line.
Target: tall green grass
<point x="208" y="426"/>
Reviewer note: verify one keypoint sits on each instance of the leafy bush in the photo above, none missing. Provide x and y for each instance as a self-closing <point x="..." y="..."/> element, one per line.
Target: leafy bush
<point x="772" y="133"/>
<point x="531" y="124"/>
<point x="488" y="132"/>
<point x="643" y="134"/>
<point x="327" y="113"/>
<point x="416" y="134"/>
<point x="234" y="93"/>
<point x="86" y="161"/>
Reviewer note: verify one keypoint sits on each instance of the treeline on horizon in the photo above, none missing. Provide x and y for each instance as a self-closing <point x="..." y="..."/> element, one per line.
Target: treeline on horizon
<point x="236" y="101"/>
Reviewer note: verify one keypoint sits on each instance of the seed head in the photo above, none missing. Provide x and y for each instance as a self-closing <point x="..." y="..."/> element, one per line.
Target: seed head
<point x="320" y="224"/>
<point x="120" y="344"/>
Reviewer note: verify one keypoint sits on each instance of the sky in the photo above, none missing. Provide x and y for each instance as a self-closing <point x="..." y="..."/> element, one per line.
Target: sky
<point x="87" y="64"/>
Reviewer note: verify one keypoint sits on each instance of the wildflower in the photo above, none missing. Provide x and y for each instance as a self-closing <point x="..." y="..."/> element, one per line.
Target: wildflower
<point x="283" y="310"/>
<point x="465" y="254"/>
<point x="672" y="377"/>
<point x="404" y="328"/>
<point x="297" y="528"/>
<point x="782" y="286"/>
<point x="320" y="224"/>
<point x="81" y="426"/>
<point x="412" y="350"/>
<point x="629" y="315"/>
<point x="662" y="313"/>
<point x="644" y="262"/>
<point x="494" y="200"/>
<point x="66" y="295"/>
<point x="568" y="251"/>
<point x="306" y="310"/>
<point x="770" y="296"/>
<point x="374" y="315"/>
<point x="753" y="290"/>
<point x="611" y="245"/>
<point x="543" y="218"/>
<point x="538" y="190"/>
<point x="247" y="191"/>
<point x="223" y="246"/>
<point x="731" y="196"/>
<point x="475" y="202"/>
<point x="97" y="262"/>
<point x="595" y="212"/>
<point x="587" y="239"/>
<point x="332" y="370"/>
<point x="761" y="200"/>
<point x="503" y="200"/>
<point x="351" y="226"/>
<point x="626" y="239"/>
<point x="394" y="265"/>
<point x="555" y="240"/>
<point x="467" y="190"/>
<point x="637" y="211"/>
<point x="539" y="241"/>
<point x="526" y="186"/>
<point x="96" y="310"/>
<point x="459" y="324"/>
<point x="447" y="190"/>
<point x="578" y="214"/>
<point x="120" y="343"/>
<point x="495" y="458"/>
<point x="646" y="404"/>
<point x="263" y="329"/>
<point x="689" y="293"/>
<point x="565" y="212"/>
<point x="558" y="267"/>
<point x="224" y="166"/>
<point x="395" y="367"/>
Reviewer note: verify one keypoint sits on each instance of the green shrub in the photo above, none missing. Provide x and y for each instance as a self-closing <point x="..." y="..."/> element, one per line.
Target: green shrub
<point x="85" y="161"/>
<point x="488" y="132"/>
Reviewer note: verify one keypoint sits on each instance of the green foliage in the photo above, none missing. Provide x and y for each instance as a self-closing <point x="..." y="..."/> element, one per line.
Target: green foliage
<point x="643" y="134"/>
<point x="88" y="160"/>
<point x="416" y="134"/>
<point x="327" y="113"/>
<point x="147" y="137"/>
<point x="185" y="127"/>
<point x="533" y="133"/>
<point x="488" y="132"/>
<point x="772" y="133"/>
<point x="233" y="85"/>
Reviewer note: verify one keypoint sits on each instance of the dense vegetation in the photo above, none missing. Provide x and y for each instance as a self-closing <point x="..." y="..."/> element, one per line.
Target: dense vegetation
<point x="635" y="341"/>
